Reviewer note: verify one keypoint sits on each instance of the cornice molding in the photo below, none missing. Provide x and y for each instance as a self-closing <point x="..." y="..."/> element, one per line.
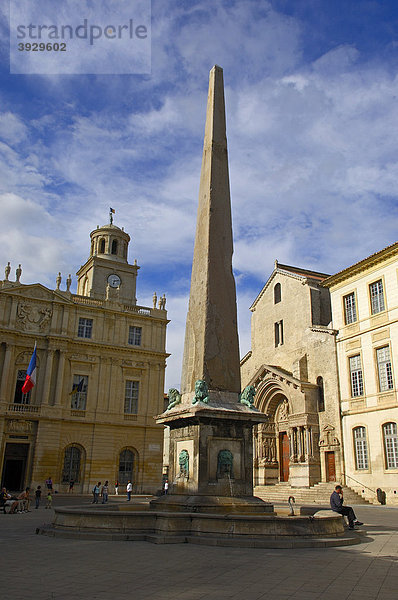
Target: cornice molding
<point x="363" y="265"/>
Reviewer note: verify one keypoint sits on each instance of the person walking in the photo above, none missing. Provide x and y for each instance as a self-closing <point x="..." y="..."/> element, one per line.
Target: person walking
<point x="37" y="496"/>
<point x="49" y="483"/>
<point x="336" y="504"/>
<point x="49" y="503"/>
<point x="104" y="492"/>
<point x="117" y="487"/>
<point x="71" y="485"/>
<point x="96" y="492"/>
<point x="129" y="489"/>
<point x="166" y="486"/>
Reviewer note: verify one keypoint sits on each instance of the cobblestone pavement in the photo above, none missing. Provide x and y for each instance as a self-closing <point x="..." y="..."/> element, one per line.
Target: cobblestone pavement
<point x="45" y="568"/>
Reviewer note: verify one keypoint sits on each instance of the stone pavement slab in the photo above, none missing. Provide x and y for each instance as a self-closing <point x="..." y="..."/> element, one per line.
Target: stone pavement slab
<point x="36" y="566"/>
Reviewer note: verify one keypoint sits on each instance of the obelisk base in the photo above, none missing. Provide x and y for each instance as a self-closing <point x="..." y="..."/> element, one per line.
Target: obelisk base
<point x="211" y="449"/>
<point x="214" y="505"/>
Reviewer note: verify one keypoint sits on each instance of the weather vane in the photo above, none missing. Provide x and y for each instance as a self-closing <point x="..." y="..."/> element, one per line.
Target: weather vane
<point x="111" y="213"/>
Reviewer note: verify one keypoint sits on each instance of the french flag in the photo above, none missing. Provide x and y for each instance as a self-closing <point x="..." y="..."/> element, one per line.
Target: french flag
<point x="30" y="380"/>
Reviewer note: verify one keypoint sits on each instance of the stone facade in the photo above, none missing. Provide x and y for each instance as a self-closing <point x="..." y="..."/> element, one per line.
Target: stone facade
<point x="365" y="311"/>
<point x="100" y="376"/>
<point x="292" y="364"/>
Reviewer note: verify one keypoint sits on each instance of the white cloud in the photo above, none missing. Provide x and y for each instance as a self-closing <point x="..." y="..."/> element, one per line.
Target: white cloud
<point x="312" y="152"/>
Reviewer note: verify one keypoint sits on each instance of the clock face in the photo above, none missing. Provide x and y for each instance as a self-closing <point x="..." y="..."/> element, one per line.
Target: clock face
<point x="114" y="280"/>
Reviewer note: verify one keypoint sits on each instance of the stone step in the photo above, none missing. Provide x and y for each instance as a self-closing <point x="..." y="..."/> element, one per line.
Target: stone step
<point x="319" y="494"/>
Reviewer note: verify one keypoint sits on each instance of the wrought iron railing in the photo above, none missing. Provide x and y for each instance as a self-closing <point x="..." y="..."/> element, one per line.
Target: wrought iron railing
<point x="361" y="484"/>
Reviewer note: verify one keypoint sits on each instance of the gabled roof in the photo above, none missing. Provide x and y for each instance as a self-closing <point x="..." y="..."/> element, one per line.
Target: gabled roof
<point x="290" y="271"/>
<point x="365" y="263"/>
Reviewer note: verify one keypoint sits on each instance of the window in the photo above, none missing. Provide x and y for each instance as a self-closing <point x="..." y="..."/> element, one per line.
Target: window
<point x="350" y="309"/>
<point x="135" y="336"/>
<point x="19" y="397"/>
<point x="361" y="448"/>
<point x="321" y="395"/>
<point x="390" y="435"/>
<point x="126" y="466"/>
<point x="102" y="246"/>
<point x="71" y="470"/>
<point x="114" y="247"/>
<point x="278" y="330"/>
<point x="384" y="368"/>
<point x="356" y="376"/>
<point x="131" y="397"/>
<point x="377" y="297"/>
<point x="277" y="293"/>
<point x="79" y="392"/>
<point x="85" y="328"/>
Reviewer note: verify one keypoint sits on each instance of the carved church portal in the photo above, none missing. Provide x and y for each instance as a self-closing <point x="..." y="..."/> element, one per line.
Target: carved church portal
<point x="330" y="466"/>
<point x="284" y="458"/>
<point x="14" y="466"/>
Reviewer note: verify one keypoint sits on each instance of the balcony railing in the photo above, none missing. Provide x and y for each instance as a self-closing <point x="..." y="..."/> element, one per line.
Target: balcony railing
<point x="141" y="310"/>
<point x="77" y="413"/>
<point x="23" y="408"/>
<point x="129" y="417"/>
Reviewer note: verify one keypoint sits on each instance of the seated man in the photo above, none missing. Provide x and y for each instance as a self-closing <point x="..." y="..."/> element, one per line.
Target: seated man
<point x="4" y="499"/>
<point x="22" y="502"/>
<point x="336" y="504"/>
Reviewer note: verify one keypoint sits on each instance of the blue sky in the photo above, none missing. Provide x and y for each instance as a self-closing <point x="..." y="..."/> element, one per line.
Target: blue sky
<point x="311" y="91"/>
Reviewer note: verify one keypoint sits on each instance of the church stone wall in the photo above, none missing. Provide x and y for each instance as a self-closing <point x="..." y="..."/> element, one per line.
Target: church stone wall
<point x="308" y="352"/>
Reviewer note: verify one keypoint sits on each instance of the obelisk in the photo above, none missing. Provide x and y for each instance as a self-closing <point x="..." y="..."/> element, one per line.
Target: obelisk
<point x="211" y="350"/>
<point x="211" y="444"/>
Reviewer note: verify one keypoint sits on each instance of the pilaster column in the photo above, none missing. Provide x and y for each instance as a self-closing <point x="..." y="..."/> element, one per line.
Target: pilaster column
<point x="300" y="445"/>
<point x="307" y="443"/>
<point x="60" y="379"/>
<point x="47" y="377"/>
<point x="291" y="443"/>
<point x="6" y="372"/>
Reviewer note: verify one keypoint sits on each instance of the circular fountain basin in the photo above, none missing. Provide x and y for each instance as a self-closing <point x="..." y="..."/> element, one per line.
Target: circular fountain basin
<point x="325" y="528"/>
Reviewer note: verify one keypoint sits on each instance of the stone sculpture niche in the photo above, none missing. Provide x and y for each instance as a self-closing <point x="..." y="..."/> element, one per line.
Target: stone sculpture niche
<point x="225" y="461"/>
<point x="183" y="461"/>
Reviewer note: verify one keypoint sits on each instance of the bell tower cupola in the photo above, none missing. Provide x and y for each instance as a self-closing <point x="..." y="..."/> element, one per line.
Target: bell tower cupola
<point x="107" y="273"/>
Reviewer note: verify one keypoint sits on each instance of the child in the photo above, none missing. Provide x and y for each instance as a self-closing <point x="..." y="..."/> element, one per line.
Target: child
<point x="37" y="496"/>
<point x="49" y="499"/>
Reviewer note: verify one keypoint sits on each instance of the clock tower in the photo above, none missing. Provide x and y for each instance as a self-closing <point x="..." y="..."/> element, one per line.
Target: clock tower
<point x="107" y="274"/>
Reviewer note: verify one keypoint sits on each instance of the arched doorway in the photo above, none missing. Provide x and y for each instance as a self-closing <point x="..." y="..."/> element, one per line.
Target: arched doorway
<point x="286" y="447"/>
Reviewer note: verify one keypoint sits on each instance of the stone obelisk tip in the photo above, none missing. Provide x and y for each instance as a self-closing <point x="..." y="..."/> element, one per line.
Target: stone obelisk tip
<point x="211" y="349"/>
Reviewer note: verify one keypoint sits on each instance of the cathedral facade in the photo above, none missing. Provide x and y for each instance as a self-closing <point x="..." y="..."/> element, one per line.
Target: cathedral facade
<point x="100" y="376"/>
<point x="293" y="365"/>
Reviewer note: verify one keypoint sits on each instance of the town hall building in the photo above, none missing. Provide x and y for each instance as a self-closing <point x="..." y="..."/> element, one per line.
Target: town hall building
<point x="100" y="376"/>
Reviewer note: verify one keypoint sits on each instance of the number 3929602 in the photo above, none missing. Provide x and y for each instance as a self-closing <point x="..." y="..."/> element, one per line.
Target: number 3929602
<point x="42" y="47"/>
